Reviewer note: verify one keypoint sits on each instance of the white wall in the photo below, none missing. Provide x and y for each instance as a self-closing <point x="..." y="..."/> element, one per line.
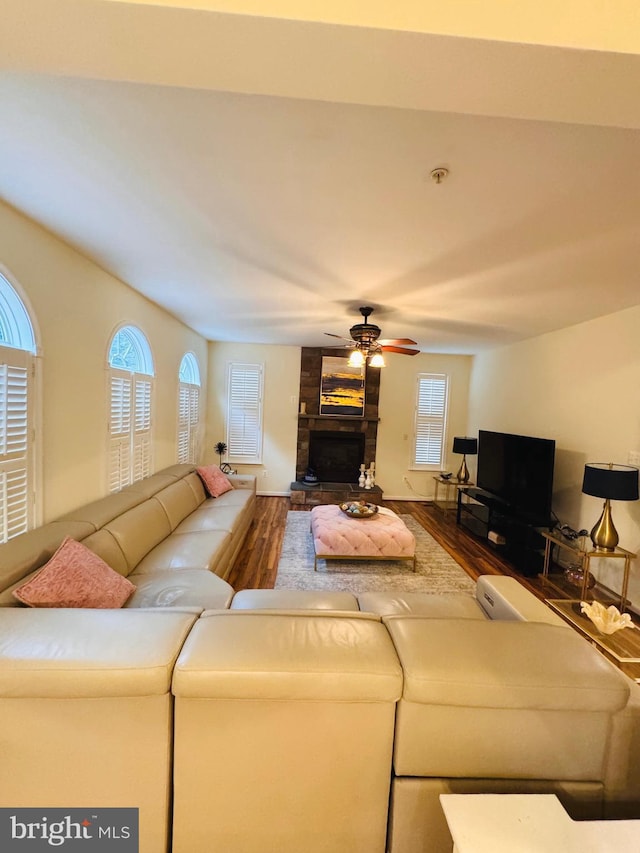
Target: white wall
<point x="581" y="387"/>
<point x="281" y="395"/>
<point x="397" y="411"/>
<point x="77" y="308"/>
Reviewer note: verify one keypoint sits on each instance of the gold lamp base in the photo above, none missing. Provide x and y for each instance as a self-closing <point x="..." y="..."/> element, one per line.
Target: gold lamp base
<point x="604" y="535"/>
<point x="463" y="472"/>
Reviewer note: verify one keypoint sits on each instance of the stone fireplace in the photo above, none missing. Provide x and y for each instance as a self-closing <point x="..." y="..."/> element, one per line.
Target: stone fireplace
<point x="363" y="431"/>
<point x="335" y="457"/>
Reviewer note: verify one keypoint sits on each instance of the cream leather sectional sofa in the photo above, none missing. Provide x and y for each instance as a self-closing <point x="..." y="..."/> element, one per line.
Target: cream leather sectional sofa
<point x="278" y="720"/>
<point x="172" y="541"/>
<point x="258" y="729"/>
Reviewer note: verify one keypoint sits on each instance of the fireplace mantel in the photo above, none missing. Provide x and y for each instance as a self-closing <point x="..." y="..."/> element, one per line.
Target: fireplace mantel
<point x="350" y="419"/>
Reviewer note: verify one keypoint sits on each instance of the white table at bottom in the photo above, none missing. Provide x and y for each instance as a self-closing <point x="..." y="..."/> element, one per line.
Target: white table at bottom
<point x="530" y="823"/>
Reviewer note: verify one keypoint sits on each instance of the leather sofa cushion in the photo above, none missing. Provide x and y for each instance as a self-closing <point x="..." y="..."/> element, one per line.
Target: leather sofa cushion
<point x="105" y="545"/>
<point x="515" y="665"/>
<point x="293" y="599"/>
<point x="101" y="512"/>
<point x="196" y="485"/>
<point x="214" y="517"/>
<point x="177" y="500"/>
<point x="186" y="588"/>
<point x="150" y="486"/>
<point x="454" y="605"/>
<point x="235" y="498"/>
<point x="255" y="655"/>
<point x="139" y="530"/>
<point x="186" y="551"/>
<point x="89" y="653"/>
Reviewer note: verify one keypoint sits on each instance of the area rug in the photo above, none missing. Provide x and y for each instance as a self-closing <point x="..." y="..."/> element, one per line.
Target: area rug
<point x="436" y="571"/>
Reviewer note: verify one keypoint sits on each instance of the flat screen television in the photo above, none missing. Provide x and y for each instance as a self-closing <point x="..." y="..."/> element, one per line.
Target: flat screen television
<point x="518" y="469"/>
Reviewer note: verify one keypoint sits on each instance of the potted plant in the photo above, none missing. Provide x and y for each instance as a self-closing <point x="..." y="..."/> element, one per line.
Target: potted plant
<point x="221" y="449"/>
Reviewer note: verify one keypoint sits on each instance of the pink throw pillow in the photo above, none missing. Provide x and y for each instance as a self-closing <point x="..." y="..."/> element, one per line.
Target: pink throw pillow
<point x="75" y="577"/>
<point x="214" y="480"/>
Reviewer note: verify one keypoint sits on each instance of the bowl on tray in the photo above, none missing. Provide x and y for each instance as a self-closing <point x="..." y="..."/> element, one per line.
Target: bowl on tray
<point x="358" y="509"/>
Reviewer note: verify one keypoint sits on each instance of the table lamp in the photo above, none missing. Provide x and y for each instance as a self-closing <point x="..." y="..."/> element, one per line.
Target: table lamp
<point x="464" y="445"/>
<point x="613" y="483"/>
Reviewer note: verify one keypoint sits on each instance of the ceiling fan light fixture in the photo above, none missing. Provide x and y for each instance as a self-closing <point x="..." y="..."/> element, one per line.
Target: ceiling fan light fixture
<point x="356" y="359"/>
<point x="366" y="345"/>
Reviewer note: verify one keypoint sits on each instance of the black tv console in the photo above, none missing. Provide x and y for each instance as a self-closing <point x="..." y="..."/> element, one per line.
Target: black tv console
<point x="496" y="521"/>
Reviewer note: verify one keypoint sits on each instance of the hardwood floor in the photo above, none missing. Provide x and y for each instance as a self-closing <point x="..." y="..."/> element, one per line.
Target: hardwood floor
<point x="257" y="564"/>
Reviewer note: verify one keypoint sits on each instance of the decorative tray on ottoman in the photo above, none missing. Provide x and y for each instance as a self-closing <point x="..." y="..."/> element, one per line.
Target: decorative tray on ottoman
<point x="358" y="509"/>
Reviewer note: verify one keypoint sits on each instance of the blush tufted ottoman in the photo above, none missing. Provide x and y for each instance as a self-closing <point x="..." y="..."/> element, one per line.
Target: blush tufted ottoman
<point x="384" y="536"/>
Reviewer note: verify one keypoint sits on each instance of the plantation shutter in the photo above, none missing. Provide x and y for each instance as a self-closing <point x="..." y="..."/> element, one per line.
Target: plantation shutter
<point x="120" y="431"/>
<point x="142" y="429"/>
<point x="129" y="429"/>
<point x="16" y="504"/>
<point x="183" y="423"/>
<point x="244" y="413"/>
<point x="194" y="424"/>
<point x="431" y="410"/>
<point x="188" y="422"/>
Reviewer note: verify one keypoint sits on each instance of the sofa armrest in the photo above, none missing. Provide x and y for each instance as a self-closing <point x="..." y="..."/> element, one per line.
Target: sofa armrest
<point x="504" y="598"/>
<point x="242" y="481"/>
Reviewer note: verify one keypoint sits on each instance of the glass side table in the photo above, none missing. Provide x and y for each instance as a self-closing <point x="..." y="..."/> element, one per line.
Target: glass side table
<point x="584" y="557"/>
<point x="448" y="502"/>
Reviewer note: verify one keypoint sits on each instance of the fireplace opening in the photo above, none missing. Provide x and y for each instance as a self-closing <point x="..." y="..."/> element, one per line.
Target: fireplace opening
<point x="335" y="457"/>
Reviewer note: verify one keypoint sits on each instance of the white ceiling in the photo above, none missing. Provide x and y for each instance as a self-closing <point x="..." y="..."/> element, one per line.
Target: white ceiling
<point x="262" y="178"/>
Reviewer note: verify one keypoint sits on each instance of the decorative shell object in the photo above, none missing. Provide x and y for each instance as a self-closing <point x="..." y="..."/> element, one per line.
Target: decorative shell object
<point x="359" y="509"/>
<point x="607" y="620"/>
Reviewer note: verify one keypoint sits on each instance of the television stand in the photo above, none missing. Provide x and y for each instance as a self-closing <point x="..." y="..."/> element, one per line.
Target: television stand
<point x="489" y="518"/>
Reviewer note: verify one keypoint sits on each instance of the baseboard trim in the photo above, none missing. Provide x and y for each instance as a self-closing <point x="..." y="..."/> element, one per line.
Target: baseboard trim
<point x="386" y="497"/>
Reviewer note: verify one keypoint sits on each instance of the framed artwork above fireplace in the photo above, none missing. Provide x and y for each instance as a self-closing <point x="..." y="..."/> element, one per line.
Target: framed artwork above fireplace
<point x="341" y="388"/>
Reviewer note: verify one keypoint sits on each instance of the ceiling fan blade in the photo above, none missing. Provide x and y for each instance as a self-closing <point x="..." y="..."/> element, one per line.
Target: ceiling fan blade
<point x="401" y="350"/>
<point x="396" y="342"/>
<point x="340" y="337"/>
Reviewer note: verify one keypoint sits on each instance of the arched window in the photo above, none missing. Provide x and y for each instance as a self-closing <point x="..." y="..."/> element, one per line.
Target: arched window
<point x="17" y="448"/>
<point x="131" y="389"/>
<point x="188" y="409"/>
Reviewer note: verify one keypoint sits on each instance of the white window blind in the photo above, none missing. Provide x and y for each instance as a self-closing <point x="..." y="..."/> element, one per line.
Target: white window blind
<point x="244" y="413"/>
<point x="188" y="422"/>
<point x="131" y="397"/>
<point x="16" y="498"/>
<point x="129" y="429"/>
<point x="430" y="424"/>
<point x="189" y="409"/>
<point x="142" y="429"/>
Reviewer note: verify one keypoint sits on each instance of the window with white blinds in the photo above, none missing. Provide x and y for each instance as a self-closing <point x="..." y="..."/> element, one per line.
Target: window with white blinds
<point x="431" y="419"/>
<point x="17" y="402"/>
<point x="130" y="415"/>
<point x="244" y="413"/>
<point x="16" y="489"/>
<point x="189" y="410"/>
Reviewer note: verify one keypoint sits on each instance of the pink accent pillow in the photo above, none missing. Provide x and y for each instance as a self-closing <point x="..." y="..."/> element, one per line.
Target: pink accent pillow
<point x="75" y="577"/>
<point x="214" y="480"/>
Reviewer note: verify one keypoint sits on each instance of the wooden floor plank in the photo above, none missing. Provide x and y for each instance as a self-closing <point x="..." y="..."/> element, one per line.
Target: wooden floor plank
<point x="257" y="564"/>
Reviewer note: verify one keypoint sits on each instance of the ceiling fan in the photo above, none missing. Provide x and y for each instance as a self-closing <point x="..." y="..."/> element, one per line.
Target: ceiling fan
<point x="365" y="341"/>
